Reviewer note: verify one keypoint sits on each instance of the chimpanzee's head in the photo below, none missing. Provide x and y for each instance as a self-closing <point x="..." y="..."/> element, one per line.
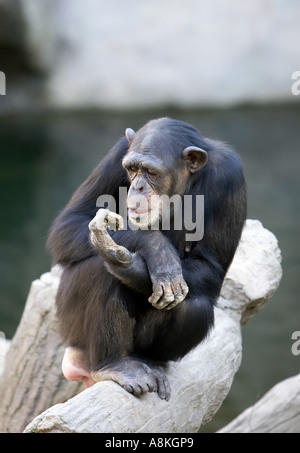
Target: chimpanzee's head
<point x="162" y="157"/>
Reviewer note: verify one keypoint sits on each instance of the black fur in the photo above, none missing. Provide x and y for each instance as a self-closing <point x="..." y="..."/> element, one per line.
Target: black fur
<point x="103" y="308"/>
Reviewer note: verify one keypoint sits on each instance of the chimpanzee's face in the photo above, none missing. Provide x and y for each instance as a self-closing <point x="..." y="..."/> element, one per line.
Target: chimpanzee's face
<point x="156" y="172"/>
<point x="149" y="179"/>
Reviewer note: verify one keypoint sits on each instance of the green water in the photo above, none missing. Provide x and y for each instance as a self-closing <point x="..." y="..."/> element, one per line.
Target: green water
<point x="43" y="158"/>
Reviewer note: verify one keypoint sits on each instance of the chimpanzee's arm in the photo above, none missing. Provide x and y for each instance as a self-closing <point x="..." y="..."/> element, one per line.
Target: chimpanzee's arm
<point x="68" y="240"/>
<point x="166" y="281"/>
<point x="154" y="266"/>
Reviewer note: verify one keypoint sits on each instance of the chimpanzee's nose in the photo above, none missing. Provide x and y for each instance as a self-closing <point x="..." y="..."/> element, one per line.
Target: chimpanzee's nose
<point x="138" y="185"/>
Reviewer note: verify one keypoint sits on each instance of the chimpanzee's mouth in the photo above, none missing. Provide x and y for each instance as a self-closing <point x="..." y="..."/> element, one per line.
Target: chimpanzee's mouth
<point x="134" y="213"/>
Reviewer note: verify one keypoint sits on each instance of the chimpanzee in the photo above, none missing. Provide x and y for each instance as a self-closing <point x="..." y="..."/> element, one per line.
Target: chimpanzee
<point x="132" y="299"/>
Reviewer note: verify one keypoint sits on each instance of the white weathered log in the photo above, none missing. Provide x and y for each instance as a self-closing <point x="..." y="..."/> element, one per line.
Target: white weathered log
<point x="278" y="411"/>
<point x="32" y="380"/>
<point x="201" y="381"/>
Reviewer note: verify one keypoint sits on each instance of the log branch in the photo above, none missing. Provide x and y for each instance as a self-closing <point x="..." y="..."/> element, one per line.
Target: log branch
<point x="278" y="411"/>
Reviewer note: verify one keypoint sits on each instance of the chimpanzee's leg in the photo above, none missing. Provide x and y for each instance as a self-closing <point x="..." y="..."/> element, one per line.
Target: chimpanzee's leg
<point x="170" y="334"/>
<point x="108" y="328"/>
<point x="160" y="336"/>
<point x="133" y="375"/>
<point x="97" y="321"/>
<point x="136" y="375"/>
<point x="92" y="317"/>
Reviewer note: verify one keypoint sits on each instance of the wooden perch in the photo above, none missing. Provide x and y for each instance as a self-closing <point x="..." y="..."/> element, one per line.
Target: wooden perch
<point x="32" y="379"/>
<point x="278" y="411"/>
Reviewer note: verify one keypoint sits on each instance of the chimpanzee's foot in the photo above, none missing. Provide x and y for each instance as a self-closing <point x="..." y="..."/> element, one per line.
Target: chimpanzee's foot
<point x="136" y="377"/>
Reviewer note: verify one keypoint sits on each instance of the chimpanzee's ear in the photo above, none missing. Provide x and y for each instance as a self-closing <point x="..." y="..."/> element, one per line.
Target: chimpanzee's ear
<point x="129" y="135"/>
<point x="195" y="157"/>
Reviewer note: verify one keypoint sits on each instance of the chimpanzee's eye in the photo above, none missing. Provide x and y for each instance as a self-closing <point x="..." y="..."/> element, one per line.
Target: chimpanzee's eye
<point x="132" y="169"/>
<point x="152" y="172"/>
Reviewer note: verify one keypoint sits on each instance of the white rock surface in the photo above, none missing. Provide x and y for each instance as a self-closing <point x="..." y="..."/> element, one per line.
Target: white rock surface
<point x="242" y="291"/>
<point x="143" y="54"/>
<point x="165" y="52"/>
<point x="277" y="412"/>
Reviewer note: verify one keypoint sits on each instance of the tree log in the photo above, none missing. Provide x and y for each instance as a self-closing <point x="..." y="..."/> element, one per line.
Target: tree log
<point x="32" y="379"/>
<point x="278" y="411"/>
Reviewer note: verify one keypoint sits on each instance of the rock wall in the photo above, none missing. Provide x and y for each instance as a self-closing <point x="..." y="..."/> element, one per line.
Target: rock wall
<point x="165" y="52"/>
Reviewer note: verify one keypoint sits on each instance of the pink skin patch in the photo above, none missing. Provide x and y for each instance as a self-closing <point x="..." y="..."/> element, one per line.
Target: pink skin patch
<point x="74" y="367"/>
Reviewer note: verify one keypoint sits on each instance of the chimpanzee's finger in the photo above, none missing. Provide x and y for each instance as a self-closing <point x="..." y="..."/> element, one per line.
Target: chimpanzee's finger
<point x="156" y="295"/>
<point x="167" y="297"/>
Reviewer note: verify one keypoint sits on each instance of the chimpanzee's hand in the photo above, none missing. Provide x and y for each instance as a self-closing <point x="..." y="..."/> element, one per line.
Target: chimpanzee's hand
<point x="158" y="256"/>
<point x="103" y="242"/>
<point x="168" y="291"/>
<point x="164" y="266"/>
